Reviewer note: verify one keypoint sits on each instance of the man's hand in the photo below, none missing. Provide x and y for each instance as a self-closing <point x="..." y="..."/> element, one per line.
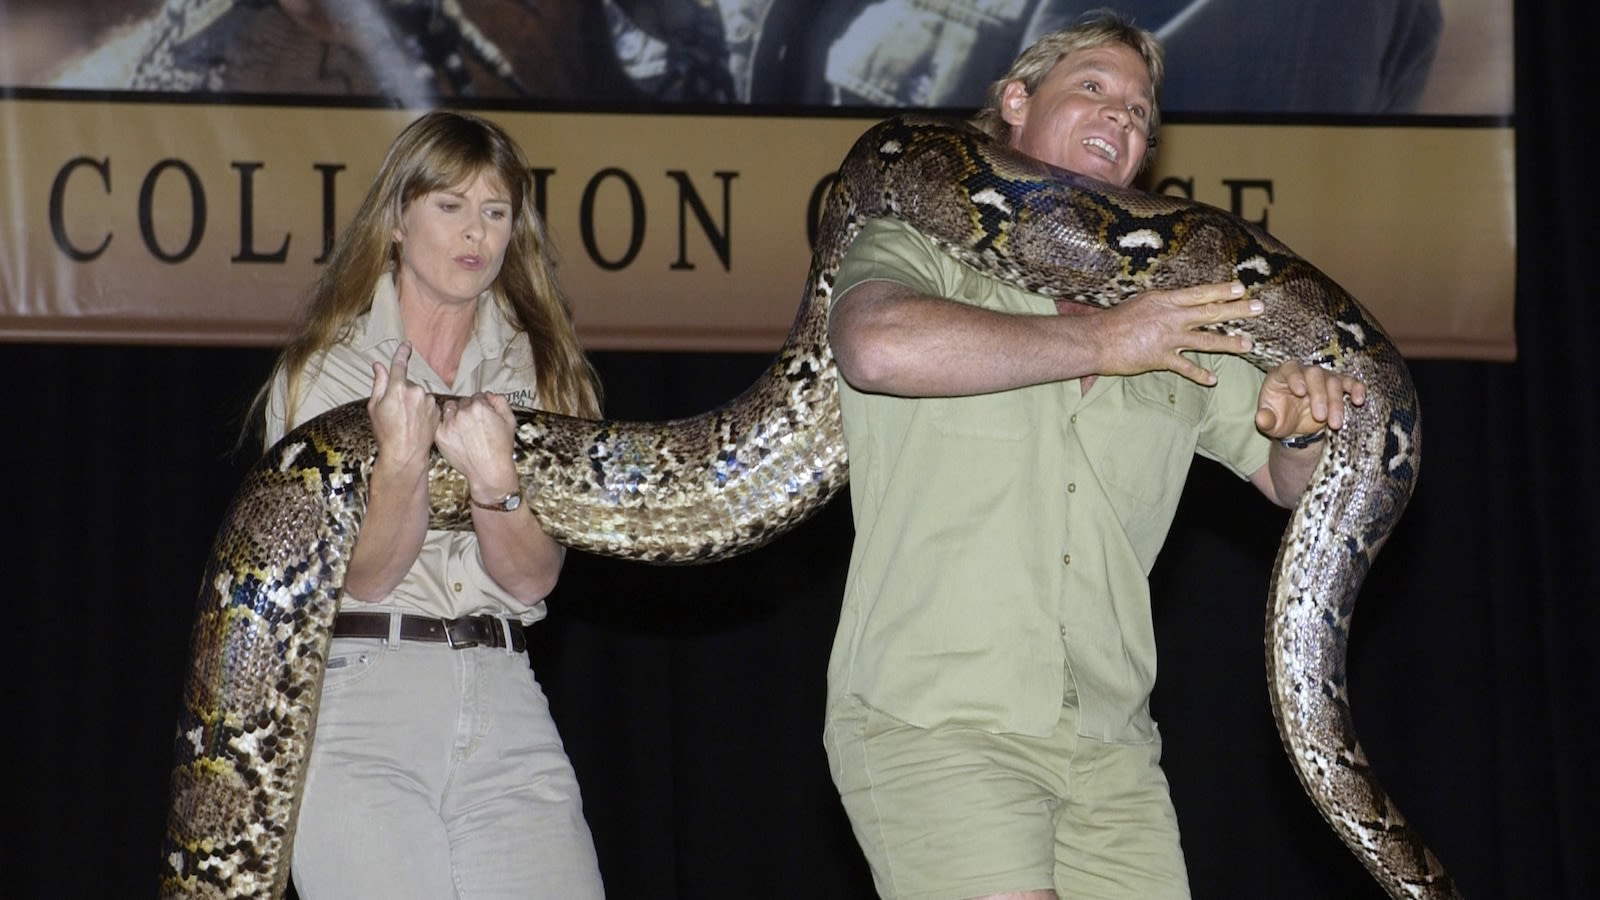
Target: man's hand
<point x="1148" y="333"/>
<point x="1297" y="400"/>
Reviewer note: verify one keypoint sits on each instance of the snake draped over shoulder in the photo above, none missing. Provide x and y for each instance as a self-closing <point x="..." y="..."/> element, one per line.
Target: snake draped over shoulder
<point x="732" y="479"/>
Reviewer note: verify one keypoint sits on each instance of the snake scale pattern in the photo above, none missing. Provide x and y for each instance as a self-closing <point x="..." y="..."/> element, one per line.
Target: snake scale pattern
<point x="732" y="479"/>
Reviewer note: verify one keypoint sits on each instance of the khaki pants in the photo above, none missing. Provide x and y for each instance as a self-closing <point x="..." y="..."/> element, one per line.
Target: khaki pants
<point x="436" y="774"/>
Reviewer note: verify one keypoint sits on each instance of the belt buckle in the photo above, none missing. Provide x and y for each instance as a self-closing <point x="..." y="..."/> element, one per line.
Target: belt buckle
<point x="450" y="638"/>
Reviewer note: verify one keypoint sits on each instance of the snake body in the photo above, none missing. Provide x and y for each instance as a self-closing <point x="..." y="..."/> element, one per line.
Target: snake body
<point x="729" y="480"/>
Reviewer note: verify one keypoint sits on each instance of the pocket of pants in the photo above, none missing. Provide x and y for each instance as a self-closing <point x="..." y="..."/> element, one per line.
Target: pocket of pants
<point x="350" y="662"/>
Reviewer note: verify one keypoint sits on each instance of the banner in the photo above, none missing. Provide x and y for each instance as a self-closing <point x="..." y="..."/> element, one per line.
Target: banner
<point x="174" y="172"/>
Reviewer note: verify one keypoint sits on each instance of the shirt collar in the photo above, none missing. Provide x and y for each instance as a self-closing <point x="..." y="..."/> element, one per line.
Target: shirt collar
<point x="491" y="334"/>
<point x="380" y="330"/>
<point x="381" y="324"/>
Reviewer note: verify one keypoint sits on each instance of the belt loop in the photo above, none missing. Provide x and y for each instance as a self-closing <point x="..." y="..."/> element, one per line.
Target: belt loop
<point x="393" y="641"/>
<point x="505" y="628"/>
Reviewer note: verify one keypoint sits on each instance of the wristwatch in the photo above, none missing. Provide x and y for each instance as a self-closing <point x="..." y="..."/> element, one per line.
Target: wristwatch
<point x="1302" y="441"/>
<point x="505" y="504"/>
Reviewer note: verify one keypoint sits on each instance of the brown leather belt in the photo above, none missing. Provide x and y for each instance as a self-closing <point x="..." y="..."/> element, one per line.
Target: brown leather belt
<point x="467" y="631"/>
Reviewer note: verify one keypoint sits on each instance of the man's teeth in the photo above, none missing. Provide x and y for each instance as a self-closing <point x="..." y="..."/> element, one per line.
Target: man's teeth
<point x="1102" y="146"/>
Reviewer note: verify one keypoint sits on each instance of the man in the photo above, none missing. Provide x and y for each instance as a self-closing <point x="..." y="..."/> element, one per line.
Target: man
<point x="1014" y="470"/>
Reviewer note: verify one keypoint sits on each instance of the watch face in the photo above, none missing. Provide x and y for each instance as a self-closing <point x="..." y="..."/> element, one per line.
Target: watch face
<point x="511" y="502"/>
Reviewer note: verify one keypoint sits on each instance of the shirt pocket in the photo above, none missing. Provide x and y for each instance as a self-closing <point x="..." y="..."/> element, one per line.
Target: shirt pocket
<point x="1168" y="393"/>
<point x="1142" y="457"/>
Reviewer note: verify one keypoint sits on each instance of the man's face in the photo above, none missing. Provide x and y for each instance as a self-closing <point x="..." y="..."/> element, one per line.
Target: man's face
<point x="1090" y="114"/>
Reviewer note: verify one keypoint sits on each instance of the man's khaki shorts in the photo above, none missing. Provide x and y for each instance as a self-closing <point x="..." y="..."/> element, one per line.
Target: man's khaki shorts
<point x="952" y="812"/>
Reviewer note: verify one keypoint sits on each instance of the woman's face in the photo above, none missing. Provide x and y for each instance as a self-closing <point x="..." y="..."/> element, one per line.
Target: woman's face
<point x="452" y="242"/>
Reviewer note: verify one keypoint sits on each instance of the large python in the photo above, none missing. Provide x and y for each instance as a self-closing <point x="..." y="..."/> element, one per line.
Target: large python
<point x="729" y="480"/>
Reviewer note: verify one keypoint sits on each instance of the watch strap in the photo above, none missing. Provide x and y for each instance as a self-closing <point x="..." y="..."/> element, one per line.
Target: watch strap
<point x="507" y="503"/>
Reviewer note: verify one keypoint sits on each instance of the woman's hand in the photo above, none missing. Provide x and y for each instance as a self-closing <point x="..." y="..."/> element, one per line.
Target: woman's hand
<point x="475" y="435"/>
<point x="404" y="415"/>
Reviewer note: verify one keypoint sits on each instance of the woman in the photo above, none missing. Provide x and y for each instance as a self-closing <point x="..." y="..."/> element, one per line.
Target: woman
<point x="437" y="770"/>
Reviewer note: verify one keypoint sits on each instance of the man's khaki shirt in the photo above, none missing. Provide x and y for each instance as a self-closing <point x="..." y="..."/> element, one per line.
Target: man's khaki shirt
<point x="1003" y="542"/>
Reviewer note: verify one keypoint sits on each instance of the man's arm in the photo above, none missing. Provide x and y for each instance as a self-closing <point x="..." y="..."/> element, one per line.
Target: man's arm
<point x="888" y="338"/>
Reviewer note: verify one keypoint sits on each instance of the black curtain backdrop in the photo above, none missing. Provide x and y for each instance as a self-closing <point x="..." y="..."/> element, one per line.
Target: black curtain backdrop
<point x="691" y="698"/>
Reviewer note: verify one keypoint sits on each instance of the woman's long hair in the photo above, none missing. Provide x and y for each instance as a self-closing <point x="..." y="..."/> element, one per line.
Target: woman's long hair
<point x="439" y="151"/>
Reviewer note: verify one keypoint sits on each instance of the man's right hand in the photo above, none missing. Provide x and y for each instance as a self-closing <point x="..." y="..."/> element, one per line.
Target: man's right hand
<point x="1149" y="331"/>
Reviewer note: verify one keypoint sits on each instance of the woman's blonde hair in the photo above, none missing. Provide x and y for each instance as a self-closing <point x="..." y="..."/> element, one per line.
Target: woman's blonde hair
<point x="439" y="151"/>
<point x="1096" y="28"/>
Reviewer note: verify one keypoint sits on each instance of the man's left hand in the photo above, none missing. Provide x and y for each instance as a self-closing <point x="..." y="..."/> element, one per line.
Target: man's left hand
<point x="1298" y="400"/>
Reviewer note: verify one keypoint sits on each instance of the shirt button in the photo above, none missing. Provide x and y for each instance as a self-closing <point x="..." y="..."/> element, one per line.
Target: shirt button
<point x="1073" y="418"/>
<point x="457" y="586"/>
<point x="1066" y="559"/>
<point x="1072" y="487"/>
<point x="1172" y="399"/>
